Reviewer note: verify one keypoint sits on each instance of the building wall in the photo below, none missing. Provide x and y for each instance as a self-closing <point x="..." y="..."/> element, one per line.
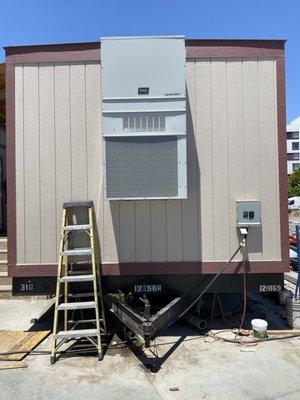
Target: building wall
<point x="232" y="154"/>
<point x="293" y="154"/>
<point x="2" y="180"/>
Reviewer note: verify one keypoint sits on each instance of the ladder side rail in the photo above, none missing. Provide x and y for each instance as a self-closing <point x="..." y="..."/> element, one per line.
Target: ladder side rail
<point x="59" y="269"/>
<point x="92" y="237"/>
<point x="66" y="260"/>
<point x="98" y="258"/>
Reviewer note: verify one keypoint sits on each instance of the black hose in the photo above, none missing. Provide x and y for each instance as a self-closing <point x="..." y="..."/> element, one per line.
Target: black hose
<point x="215" y="335"/>
<point x="269" y="339"/>
<point x="244" y="291"/>
<point x="207" y="287"/>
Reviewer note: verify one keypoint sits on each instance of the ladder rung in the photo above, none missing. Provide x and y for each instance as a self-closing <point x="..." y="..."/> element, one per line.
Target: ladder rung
<point x="77" y="305"/>
<point x="84" y="251"/>
<point x="80" y="295"/>
<point x="83" y="321"/>
<point x="75" y="204"/>
<point x="76" y="227"/>
<point x="74" y="272"/>
<point x="76" y="334"/>
<point x="77" y="278"/>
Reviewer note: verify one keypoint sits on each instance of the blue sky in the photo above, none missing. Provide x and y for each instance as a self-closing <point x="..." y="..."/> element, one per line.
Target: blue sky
<point x="57" y="21"/>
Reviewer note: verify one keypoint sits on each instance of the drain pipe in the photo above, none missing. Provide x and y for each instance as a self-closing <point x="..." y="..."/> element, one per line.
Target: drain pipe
<point x="195" y="321"/>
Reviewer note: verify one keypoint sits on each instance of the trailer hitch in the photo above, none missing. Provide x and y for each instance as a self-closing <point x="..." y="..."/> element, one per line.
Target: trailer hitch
<point x="147" y="309"/>
<point x="145" y="324"/>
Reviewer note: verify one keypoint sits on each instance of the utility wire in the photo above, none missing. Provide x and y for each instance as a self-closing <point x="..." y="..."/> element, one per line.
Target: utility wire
<point x="207" y="287"/>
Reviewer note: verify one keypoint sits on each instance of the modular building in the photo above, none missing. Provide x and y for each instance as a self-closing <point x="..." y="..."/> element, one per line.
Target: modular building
<point x="182" y="226"/>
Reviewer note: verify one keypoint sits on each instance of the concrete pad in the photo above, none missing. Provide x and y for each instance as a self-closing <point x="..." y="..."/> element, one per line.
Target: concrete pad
<point x="181" y="358"/>
<point x="198" y="369"/>
<point x="16" y="314"/>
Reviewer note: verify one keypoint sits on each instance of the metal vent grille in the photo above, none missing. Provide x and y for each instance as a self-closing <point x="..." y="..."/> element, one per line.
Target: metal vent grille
<point x="145" y="123"/>
<point x="141" y="167"/>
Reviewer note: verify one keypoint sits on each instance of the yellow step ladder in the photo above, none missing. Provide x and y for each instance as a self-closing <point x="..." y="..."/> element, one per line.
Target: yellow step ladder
<point x="68" y="276"/>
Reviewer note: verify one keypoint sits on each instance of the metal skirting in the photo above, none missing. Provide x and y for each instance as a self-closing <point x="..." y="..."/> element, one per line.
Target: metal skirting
<point x="159" y="284"/>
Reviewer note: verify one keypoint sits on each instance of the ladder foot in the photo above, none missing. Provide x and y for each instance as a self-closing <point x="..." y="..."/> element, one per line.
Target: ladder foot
<point x="100" y="356"/>
<point x="52" y="359"/>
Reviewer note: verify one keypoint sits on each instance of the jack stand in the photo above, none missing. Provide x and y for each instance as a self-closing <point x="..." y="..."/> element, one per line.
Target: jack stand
<point x="147" y="309"/>
<point x="216" y="299"/>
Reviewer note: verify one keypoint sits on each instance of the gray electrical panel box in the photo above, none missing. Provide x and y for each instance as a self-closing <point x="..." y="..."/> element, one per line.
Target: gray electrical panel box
<point x="248" y="213"/>
<point x="144" y="117"/>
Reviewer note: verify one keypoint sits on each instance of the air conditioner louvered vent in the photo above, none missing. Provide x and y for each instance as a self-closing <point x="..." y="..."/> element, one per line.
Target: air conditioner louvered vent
<point x="145" y="123"/>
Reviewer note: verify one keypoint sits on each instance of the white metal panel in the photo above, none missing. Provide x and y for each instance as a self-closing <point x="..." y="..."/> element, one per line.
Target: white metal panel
<point x="143" y="81"/>
<point x="137" y="55"/>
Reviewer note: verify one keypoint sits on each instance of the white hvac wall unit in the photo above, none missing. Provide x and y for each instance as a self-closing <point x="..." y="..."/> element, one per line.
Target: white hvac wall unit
<point x="144" y="117"/>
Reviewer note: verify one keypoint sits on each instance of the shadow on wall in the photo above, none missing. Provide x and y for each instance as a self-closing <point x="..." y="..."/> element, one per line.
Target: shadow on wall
<point x="162" y="230"/>
<point x="255" y="240"/>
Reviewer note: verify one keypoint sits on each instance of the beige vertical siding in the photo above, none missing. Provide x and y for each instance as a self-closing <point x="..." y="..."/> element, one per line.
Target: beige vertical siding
<point x="19" y="140"/>
<point x="232" y="154"/>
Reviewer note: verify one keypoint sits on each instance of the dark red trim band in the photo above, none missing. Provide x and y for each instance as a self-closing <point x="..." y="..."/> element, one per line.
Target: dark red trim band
<point x="194" y="49"/>
<point x="160" y="268"/>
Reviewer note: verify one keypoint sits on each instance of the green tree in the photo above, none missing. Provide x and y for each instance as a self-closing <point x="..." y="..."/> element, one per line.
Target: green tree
<point x="294" y="183"/>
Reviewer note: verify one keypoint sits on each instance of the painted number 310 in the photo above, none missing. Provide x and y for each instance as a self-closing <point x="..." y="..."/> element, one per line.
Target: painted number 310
<point x="26" y="287"/>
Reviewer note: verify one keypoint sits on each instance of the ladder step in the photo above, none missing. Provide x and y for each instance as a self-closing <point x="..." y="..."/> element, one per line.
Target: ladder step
<point x="83" y="321"/>
<point x="80" y="295"/>
<point x="75" y="204"/>
<point x="74" y="272"/>
<point x="76" y="334"/>
<point x="76" y="228"/>
<point x="84" y="251"/>
<point x="77" y="305"/>
<point x="77" y="278"/>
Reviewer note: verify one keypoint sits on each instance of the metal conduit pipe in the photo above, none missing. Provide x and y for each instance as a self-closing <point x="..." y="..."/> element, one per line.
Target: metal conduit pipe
<point x="195" y="321"/>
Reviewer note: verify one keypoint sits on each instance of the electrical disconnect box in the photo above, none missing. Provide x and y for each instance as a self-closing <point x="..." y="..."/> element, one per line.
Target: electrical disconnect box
<point x="144" y="117"/>
<point x="248" y="213"/>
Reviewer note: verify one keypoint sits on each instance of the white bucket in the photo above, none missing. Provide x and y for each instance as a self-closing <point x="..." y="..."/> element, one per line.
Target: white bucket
<point x="259" y="327"/>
